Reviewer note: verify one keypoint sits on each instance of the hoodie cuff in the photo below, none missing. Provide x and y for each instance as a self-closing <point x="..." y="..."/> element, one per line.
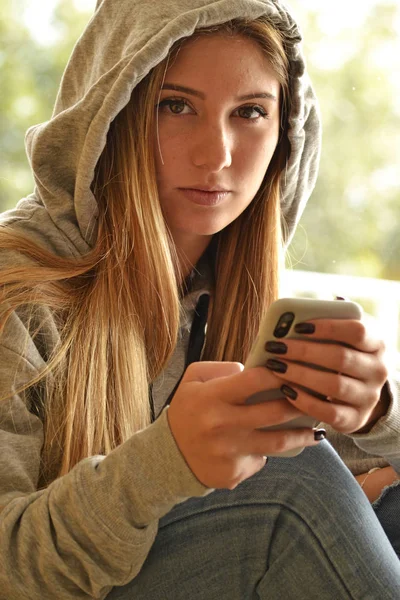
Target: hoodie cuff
<point x="383" y="439"/>
<point x="138" y="482"/>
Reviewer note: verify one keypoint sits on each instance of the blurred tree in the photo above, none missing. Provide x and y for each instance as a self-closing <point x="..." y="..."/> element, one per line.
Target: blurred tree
<point x="30" y="75"/>
<point x="351" y="223"/>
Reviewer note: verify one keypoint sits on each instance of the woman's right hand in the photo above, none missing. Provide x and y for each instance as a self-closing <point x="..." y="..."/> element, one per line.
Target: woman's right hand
<point x="218" y="433"/>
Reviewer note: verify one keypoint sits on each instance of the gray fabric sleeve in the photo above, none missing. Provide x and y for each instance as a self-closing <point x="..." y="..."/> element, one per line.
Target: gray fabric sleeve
<point x="91" y="529"/>
<point x="384" y="438"/>
<point x="377" y="448"/>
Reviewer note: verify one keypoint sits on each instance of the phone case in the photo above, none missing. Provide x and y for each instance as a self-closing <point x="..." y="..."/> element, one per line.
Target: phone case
<point x="289" y="312"/>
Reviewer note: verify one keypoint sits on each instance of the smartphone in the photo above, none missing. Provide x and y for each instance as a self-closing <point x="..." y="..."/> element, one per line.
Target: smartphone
<point x="279" y="324"/>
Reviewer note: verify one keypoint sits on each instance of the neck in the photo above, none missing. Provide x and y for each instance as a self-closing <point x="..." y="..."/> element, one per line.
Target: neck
<point x="190" y="252"/>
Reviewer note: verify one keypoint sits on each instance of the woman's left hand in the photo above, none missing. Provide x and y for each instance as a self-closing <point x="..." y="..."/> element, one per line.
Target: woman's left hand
<point x="350" y="394"/>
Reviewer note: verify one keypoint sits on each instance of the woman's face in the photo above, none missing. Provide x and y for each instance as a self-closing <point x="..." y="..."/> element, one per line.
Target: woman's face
<point x="218" y="133"/>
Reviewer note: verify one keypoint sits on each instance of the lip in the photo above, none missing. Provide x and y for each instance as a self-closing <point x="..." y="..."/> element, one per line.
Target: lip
<point x="205" y="197"/>
<point x="205" y="188"/>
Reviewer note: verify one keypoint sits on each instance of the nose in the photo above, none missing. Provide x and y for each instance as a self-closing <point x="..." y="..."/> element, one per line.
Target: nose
<point x="212" y="148"/>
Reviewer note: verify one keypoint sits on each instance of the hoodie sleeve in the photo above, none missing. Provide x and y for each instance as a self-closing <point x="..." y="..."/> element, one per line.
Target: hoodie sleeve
<point x="384" y="438"/>
<point x="91" y="529"/>
<point x="377" y="448"/>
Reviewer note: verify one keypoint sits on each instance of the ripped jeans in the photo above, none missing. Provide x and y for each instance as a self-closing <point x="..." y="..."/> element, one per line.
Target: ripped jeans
<point x="387" y="509"/>
<point x="301" y="528"/>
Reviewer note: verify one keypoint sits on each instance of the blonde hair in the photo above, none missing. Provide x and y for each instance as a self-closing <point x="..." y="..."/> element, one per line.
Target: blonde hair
<point x="116" y="309"/>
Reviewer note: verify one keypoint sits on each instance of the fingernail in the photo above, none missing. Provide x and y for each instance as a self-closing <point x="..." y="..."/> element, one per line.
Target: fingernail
<point x="304" y="328"/>
<point x="276" y="365"/>
<point x="319" y="434"/>
<point x="289" y="392"/>
<point x="340" y="298"/>
<point x="276" y="347"/>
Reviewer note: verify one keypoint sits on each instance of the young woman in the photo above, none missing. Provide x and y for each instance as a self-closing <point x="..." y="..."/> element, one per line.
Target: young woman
<point x="183" y="146"/>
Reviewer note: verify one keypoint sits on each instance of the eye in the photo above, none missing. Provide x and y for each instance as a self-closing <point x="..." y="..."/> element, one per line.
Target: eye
<point x="255" y="109"/>
<point x="175" y="105"/>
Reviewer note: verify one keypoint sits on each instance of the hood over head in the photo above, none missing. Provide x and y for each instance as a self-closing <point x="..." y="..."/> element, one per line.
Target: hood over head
<point x="122" y="42"/>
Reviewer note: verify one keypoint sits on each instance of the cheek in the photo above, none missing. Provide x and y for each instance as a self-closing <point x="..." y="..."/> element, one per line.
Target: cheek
<point x="251" y="154"/>
<point x="253" y="158"/>
<point x="170" y="151"/>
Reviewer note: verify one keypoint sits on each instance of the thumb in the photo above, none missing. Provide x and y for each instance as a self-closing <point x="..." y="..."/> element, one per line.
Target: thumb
<point x="207" y="370"/>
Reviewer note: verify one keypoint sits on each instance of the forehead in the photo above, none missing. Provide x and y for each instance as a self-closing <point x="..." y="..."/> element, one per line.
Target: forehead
<point x="229" y="60"/>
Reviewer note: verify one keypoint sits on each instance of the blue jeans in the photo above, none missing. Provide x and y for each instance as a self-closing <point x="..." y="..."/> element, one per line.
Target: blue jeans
<point x="387" y="509"/>
<point x="300" y="528"/>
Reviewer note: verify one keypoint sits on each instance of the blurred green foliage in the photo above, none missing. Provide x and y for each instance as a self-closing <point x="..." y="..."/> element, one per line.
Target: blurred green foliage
<point x="30" y="75"/>
<point x="351" y="224"/>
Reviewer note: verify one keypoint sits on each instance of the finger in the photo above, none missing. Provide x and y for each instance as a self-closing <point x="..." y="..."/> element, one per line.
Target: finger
<point x="235" y="389"/>
<point x="341" y="417"/>
<point x="208" y="370"/>
<point x="354" y="333"/>
<point x="276" y="442"/>
<point x="338" y="358"/>
<point x="335" y="385"/>
<point x="264" y="414"/>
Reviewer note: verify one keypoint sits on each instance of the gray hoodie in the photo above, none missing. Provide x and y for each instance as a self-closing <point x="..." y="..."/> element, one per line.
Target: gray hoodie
<point x="93" y="528"/>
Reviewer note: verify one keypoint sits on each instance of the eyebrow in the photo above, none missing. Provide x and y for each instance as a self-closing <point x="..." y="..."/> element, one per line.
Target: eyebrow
<point x="186" y="90"/>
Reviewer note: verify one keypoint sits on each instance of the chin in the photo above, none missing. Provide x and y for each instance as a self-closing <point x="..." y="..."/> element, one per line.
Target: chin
<point x="206" y="231"/>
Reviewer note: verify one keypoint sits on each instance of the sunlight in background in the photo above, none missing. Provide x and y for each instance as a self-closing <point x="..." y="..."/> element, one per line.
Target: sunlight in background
<point x="340" y="21"/>
<point x="38" y="14"/>
<point x="338" y="15"/>
<point x="84" y="5"/>
<point x="333" y="19"/>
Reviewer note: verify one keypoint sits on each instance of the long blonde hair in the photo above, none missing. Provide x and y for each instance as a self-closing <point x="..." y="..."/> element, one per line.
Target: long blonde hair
<point x="116" y="310"/>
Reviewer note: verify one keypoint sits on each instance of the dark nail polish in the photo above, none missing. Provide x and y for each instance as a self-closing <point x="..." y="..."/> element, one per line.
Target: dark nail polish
<point x="276" y="347"/>
<point x="289" y="392"/>
<point x="304" y="328"/>
<point x="276" y="365"/>
<point x="319" y="434"/>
